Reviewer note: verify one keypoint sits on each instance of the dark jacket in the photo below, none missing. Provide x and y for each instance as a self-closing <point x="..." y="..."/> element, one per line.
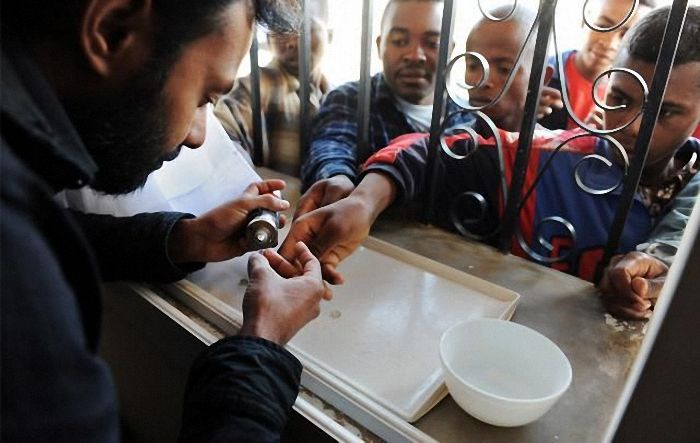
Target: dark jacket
<point x="555" y="194"/>
<point x="333" y="149"/>
<point x="54" y="386"/>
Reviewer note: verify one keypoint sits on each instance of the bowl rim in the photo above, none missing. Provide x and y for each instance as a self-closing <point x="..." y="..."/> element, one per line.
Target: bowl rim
<point x="448" y="367"/>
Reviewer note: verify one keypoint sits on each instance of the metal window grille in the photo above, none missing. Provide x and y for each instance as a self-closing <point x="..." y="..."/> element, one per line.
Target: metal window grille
<point x="515" y="195"/>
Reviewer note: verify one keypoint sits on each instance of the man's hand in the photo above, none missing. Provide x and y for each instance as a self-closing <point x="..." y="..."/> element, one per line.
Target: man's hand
<point x="631" y="285"/>
<point x="335" y="231"/>
<point x="550" y="99"/>
<point x="219" y="234"/>
<point x="596" y="119"/>
<point x="323" y="193"/>
<point x="275" y="308"/>
<point x="332" y="232"/>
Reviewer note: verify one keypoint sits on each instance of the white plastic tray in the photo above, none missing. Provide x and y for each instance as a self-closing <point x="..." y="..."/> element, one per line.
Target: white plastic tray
<point x="378" y="337"/>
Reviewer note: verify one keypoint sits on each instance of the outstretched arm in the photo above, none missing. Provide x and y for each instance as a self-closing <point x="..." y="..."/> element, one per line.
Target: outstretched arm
<point x="243" y="387"/>
<point x="335" y="231"/>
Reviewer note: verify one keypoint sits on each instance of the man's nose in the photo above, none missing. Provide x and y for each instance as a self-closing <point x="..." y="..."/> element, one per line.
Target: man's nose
<point x="198" y="129"/>
<point x="292" y="43"/>
<point x="632" y="130"/>
<point x="415" y="54"/>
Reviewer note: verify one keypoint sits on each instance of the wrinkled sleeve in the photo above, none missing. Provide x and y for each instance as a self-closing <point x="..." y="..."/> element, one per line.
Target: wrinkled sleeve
<point x="240" y="389"/>
<point x="134" y="248"/>
<point x="666" y="237"/>
<point x="405" y="161"/>
<point x="333" y="149"/>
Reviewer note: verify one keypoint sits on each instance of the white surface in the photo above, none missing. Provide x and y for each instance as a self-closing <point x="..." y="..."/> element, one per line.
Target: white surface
<point x="379" y="335"/>
<point x="194" y="182"/>
<point x="503" y="373"/>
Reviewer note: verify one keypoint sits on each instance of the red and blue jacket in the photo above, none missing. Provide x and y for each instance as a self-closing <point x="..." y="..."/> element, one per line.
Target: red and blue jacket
<point x="556" y="194"/>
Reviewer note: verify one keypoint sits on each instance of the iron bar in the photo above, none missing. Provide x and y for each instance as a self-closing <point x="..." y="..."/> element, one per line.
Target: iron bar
<point x="305" y="79"/>
<point x="256" y="110"/>
<point x="545" y="21"/>
<point x="662" y="72"/>
<point x="365" y="89"/>
<point x="448" y="19"/>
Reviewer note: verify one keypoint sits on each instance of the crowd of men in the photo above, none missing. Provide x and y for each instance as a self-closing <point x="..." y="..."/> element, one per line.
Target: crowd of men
<point x="102" y="92"/>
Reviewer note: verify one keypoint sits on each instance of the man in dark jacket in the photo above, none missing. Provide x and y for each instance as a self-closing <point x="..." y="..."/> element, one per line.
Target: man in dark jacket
<point x="401" y="102"/>
<point x="101" y="92"/>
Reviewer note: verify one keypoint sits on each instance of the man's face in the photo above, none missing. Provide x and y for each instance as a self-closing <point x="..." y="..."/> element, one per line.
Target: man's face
<point x="130" y="132"/>
<point x="679" y="116"/>
<point x="499" y="43"/>
<point x="600" y="48"/>
<point x="285" y="47"/>
<point x="408" y="48"/>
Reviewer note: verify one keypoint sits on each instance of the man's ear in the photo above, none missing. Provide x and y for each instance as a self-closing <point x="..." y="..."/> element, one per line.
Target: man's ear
<point x="116" y="35"/>
<point x="379" y="45"/>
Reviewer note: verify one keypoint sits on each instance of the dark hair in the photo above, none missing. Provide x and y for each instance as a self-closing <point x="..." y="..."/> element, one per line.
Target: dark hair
<point x="643" y="41"/>
<point x="179" y="21"/>
<point x="649" y="3"/>
<point x="183" y="21"/>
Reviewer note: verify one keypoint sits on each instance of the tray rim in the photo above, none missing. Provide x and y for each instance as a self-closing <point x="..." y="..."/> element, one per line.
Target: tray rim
<point x="223" y="313"/>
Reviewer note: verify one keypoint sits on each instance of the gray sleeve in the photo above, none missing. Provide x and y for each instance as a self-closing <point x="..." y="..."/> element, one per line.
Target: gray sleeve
<point x="666" y="237"/>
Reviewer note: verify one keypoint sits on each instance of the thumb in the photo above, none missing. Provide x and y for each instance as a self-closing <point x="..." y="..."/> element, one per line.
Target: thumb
<point x="258" y="266"/>
<point x="648" y="288"/>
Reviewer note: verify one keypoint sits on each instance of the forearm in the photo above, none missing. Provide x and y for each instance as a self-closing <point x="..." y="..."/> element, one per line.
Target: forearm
<point x="666" y="237"/>
<point x="135" y="248"/>
<point x="328" y="159"/>
<point x="240" y="389"/>
<point x="377" y="190"/>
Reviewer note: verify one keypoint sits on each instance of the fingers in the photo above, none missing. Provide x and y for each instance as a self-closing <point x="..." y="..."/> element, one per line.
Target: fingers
<point x="309" y="263"/>
<point x="621" y="310"/>
<point x="331" y="274"/>
<point x="266" y="201"/>
<point x="257" y="266"/>
<point x="304" y="229"/>
<point x="311" y="199"/>
<point x="620" y="281"/>
<point x="550" y="99"/>
<point x="298" y="233"/>
<point x="648" y="289"/>
<point x="595" y="119"/>
<point x="281" y="265"/>
<point x="264" y="187"/>
<point x="324" y="193"/>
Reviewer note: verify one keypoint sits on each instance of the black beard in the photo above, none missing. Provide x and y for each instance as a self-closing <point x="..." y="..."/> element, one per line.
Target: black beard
<point x="125" y="133"/>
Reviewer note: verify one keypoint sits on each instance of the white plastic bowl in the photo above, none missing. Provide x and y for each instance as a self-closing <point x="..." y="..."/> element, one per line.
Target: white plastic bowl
<point x="501" y="372"/>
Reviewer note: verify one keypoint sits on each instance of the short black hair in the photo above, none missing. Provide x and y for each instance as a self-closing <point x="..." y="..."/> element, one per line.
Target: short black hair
<point x="648" y="3"/>
<point x="391" y="2"/>
<point x="643" y="41"/>
<point x="179" y="21"/>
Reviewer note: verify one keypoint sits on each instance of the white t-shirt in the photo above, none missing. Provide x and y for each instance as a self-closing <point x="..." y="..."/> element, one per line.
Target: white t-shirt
<point x="419" y="116"/>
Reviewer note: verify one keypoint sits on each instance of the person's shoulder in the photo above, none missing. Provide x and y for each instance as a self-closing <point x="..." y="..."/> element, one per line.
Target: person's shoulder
<point x="691" y="145"/>
<point x="346" y="89"/>
<point x="15" y="176"/>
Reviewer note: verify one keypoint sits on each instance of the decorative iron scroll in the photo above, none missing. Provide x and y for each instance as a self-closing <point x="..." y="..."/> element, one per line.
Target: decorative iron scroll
<point x="457" y="89"/>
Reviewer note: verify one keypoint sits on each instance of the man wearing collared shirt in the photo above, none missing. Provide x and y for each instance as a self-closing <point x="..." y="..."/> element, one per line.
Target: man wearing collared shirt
<point x="401" y="100"/>
<point x="280" y="105"/>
